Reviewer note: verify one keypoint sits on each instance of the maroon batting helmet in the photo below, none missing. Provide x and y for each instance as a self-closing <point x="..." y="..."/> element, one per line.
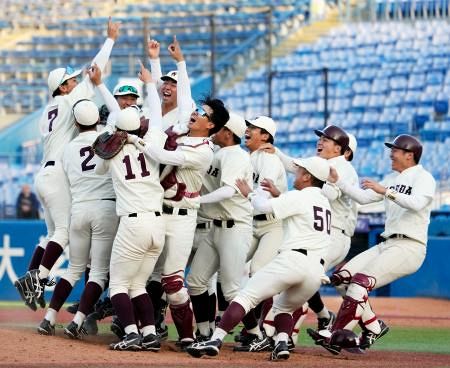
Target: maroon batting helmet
<point x="336" y="134"/>
<point x="407" y="143"/>
<point x="345" y="339"/>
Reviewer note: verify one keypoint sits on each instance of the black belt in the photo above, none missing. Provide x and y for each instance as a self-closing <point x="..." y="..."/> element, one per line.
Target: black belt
<point x="157" y="213"/>
<point x="305" y="252"/>
<point x="204" y="225"/>
<point x="49" y="163"/>
<point x="262" y="217"/>
<point x="398" y="236"/>
<point x="224" y="223"/>
<point x="109" y="199"/>
<point x="169" y="210"/>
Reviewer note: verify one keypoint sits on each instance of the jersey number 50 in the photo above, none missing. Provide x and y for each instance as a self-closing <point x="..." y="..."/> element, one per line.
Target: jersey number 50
<point x="322" y="219"/>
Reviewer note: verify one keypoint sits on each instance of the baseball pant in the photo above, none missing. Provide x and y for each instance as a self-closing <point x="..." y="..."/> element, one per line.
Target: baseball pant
<point x="338" y="250"/>
<point x="93" y="227"/>
<point x="267" y="239"/>
<point x="52" y="189"/>
<point x="136" y="248"/>
<point x="224" y="249"/>
<point x="293" y="274"/>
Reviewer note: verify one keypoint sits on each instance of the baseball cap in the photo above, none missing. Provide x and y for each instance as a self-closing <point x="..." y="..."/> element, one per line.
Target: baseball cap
<point x="125" y="89"/>
<point x="266" y="123"/>
<point x="85" y="112"/>
<point x="59" y="75"/>
<point x="171" y="76"/>
<point x="128" y="119"/>
<point x="236" y="124"/>
<point x="316" y="166"/>
<point x="352" y="144"/>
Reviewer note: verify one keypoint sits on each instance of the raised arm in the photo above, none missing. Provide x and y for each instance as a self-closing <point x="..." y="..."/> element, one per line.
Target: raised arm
<point x="152" y="102"/>
<point x="153" y="49"/>
<point x="102" y="57"/>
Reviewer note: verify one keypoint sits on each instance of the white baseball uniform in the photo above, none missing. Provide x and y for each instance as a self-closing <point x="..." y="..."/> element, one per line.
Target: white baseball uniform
<point x="408" y="203"/>
<point x="58" y="129"/>
<point x="228" y="241"/>
<point x="140" y="236"/>
<point x="267" y="230"/>
<point x="343" y="208"/>
<point x="296" y="270"/>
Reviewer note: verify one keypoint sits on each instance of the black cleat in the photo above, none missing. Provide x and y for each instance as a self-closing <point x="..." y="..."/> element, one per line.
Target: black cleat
<point x="26" y="293"/>
<point x="280" y="351"/>
<point x="45" y="328"/>
<point x="74" y="332"/>
<point x="210" y="348"/>
<point x="90" y="325"/>
<point x="150" y="343"/>
<point x="103" y="309"/>
<point x="326" y="323"/>
<point x="162" y="333"/>
<point x="323" y="341"/>
<point x="368" y="338"/>
<point x="257" y="345"/>
<point x="73" y="308"/>
<point x="117" y="328"/>
<point x="131" y="341"/>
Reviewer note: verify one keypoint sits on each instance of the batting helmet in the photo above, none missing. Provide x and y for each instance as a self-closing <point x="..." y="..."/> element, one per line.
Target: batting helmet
<point x="336" y="134"/>
<point x="128" y="119"/>
<point x="407" y="143"/>
<point x="345" y="339"/>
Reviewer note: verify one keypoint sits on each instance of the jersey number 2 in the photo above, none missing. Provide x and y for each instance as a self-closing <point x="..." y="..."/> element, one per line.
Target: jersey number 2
<point x="85" y="165"/>
<point x="322" y="220"/>
<point x="127" y="162"/>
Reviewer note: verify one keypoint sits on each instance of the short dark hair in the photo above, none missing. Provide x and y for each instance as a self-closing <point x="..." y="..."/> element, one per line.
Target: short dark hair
<point x="220" y="114"/>
<point x="270" y="140"/>
<point x="57" y="91"/>
<point x="316" y="182"/>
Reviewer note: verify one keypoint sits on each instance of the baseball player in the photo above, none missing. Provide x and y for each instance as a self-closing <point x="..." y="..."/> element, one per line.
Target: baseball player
<point x="332" y="145"/>
<point x="140" y="235"/>
<point x="93" y="222"/>
<point x="267" y="231"/>
<point x="176" y="107"/>
<point x="58" y="129"/>
<point x="296" y="271"/>
<point x="408" y="195"/>
<point x="228" y="241"/>
<point x="182" y="181"/>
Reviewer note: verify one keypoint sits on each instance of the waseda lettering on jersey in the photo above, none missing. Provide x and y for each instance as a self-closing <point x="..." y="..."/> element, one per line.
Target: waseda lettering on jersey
<point x="213" y="171"/>
<point x="400" y="188"/>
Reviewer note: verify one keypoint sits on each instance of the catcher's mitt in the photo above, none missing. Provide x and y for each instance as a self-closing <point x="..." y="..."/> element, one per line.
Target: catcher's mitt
<point x="108" y="145"/>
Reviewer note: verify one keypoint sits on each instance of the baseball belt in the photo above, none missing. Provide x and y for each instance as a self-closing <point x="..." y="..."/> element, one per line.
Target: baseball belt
<point x="264" y="217"/>
<point x="305" y="252"/>
<point x="224" y="223"/>
<point x="49" y="163"/>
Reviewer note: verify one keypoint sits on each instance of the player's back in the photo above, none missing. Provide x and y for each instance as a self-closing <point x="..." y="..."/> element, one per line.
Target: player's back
<point x="79" y="166"/>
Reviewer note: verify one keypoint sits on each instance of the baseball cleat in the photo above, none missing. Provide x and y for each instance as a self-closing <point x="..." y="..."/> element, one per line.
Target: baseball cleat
<point x="291" y="344"/>
<point x="73" y="308"/>
<point x="90" y="325"/>
<point x="45" y="328"/>
<point x="74" y="332"/>
<point x="326" y="323"/>
<point x="25" y="292"/>
<point x="323" y="341"/>
<point x="257" y="345"/>
<point x="103" y="309"/>
<point x="162" y="332"/>
<point x="131" y="341"/>
<point x="280" y="351"/>
<point x="210" y="348"/>
<point x="150" y="343"/>
<point x="117" y="328"/>
<point x="368" y="338"/>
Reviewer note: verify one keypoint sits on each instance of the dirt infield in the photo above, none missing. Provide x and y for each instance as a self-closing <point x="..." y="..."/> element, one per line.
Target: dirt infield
<point x="21" y="346"/>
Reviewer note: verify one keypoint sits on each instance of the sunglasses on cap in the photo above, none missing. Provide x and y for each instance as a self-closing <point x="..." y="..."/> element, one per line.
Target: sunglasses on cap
<point x="127" y="89"/>
<point x="202" y="112"/>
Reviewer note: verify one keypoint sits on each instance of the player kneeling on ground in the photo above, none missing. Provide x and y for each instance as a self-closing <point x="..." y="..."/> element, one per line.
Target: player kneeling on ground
<point x="296" y="271"/>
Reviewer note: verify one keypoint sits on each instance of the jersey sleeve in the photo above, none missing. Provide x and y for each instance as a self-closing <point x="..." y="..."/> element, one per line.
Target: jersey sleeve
<point x="272" y="168"/>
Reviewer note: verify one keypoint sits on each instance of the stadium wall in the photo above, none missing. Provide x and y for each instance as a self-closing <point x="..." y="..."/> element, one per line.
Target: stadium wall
<point x="18" y="239"/>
